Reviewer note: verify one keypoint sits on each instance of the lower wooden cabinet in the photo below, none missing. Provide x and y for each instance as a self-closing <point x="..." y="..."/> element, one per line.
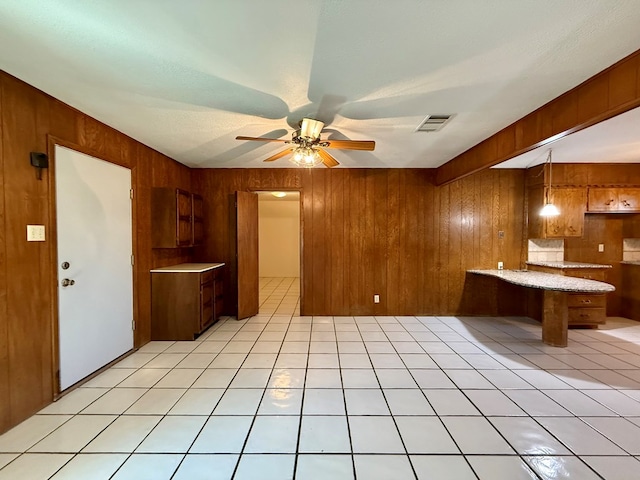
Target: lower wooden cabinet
<point x="587" y="310"/>
<point x="185" y="301"/>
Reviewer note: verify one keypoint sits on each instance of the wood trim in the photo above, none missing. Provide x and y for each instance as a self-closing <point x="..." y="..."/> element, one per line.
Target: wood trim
<point x="611" y="92"/>
<point x="52" y="273"/>
<point x="4" y="276"/>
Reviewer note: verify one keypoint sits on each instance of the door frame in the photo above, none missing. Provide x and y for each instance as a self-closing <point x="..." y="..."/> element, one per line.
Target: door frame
<point x="52" y="141"/>
<point x="301" y="212"/>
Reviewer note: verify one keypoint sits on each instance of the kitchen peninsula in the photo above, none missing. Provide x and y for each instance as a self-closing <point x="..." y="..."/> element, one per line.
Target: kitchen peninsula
<point x="557" y="290"/>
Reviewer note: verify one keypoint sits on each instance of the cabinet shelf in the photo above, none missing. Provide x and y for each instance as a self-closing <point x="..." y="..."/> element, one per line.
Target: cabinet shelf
<point x="177" y="218"/>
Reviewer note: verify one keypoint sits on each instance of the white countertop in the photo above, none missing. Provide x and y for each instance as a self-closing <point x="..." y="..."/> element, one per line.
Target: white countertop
<point x="188" y="267"/>
<point x="548" y="281"/>
<point x="630" y="262"/>
<point x="569" y="265"/>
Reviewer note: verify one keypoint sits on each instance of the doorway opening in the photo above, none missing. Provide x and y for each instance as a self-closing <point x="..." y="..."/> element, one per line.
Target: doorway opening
<point x="279" y="240"/>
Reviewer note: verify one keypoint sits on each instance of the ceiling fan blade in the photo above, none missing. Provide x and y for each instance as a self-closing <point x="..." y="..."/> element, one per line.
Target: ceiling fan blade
<point x="310" y="128"/>
<point x="262" y="139"/>
<point x="351" y="144"/>
<point x="327" y="159"/>
<point x="278" y="155"/>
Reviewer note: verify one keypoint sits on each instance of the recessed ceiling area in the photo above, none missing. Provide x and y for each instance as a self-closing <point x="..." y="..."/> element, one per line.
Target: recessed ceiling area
<point x="186" y="78"/>
<point x="616" y="140"/>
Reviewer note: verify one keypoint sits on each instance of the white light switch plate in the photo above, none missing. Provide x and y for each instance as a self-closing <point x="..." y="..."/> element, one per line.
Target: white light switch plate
<point x="500" y="265"/>
<point x="376" y="299"/>
<point x="35" y="233"/>
<point x="601" y="247"/>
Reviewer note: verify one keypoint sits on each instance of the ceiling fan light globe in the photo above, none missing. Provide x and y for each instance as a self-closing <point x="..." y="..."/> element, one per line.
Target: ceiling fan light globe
<point x="306" y="157"/>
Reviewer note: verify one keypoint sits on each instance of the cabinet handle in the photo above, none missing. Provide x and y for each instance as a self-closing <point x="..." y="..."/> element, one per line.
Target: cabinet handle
<point x="625" y="203"/>
<point x="586" y="301"/>
<point x="571" y="229"/>
<point x="609" y="202"/>
<point x="584" y="315"/>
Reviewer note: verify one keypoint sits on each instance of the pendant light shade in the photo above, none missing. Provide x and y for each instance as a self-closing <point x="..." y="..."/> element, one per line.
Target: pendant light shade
<point x="549" y="209"/>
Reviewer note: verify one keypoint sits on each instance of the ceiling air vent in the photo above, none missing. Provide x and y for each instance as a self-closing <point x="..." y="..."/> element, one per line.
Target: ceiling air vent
<point x="433" y="123"/>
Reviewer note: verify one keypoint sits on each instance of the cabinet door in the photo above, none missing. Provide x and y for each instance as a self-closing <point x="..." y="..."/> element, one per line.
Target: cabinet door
<point x="572" y="205"/>
<point x="629" y="199"/>
<point x="197" y="219"/>
<point x="603" y="199"/>
<point x="183" y="213"/>
<point x="206" y="304"/>
<point x="536" y="223"/>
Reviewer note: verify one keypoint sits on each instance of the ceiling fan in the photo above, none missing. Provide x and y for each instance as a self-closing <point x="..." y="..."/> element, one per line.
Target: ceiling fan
<point x="308" y="149"/>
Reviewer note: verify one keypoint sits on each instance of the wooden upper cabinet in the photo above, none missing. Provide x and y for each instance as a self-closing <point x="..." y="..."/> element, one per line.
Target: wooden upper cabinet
<point x="176" y="218"/>
<point x="183" y="212"/>
<point x="571" y="201"/>
<point x="197" y="219"/>
<point x="613" y="199"/>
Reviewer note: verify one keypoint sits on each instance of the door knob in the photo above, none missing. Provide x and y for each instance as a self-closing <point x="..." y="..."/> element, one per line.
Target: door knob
<point x="67" y="282"/>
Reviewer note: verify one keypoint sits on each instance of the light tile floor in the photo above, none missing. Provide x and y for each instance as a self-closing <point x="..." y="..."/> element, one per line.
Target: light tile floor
<point x="281" y="396"/>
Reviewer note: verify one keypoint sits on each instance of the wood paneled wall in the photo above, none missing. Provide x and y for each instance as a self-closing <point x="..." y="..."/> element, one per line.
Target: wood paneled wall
<point x="381" y="231"/>
<point x="587" y="174"/>
<point x="607" y="229"/>
<point x="28" y="119"/>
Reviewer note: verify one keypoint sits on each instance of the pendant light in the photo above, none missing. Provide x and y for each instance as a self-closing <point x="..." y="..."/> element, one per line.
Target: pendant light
<point x="549" y="209"/>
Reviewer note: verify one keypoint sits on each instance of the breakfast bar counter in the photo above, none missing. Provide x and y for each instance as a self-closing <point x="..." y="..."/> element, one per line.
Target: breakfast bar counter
<point x="559" y="292"/>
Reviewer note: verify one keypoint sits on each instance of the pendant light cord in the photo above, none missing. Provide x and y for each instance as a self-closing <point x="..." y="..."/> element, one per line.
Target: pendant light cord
<point x="550" y="167"/>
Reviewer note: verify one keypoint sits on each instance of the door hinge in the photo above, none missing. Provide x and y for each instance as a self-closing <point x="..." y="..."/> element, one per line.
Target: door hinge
<point x="133" y="325"/>
<point x="131" y="194"/>
<point x="133" y="260"/>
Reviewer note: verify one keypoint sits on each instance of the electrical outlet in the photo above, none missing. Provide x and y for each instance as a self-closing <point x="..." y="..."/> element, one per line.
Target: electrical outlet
<point x="601" y="247"/>
<point x="500" y="265"/>
<point x="35" y="233"/>
<point x="376" y="298"/>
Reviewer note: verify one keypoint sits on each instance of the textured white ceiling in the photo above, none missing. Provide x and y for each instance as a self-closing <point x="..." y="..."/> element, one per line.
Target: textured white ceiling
<point x="185" y="77"/>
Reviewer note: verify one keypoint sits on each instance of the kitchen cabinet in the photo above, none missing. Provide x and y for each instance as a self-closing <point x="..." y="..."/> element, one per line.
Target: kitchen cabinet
<point x="177" y="218"/>
<point x="615" y="200"/>
<point x="571" y="201"/>
<point x="185" y="300"/>
<point x="586" y="310"/>
<point x="197" y="219"/>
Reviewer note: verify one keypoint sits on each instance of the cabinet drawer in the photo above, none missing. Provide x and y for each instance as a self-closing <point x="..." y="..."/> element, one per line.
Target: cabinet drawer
<point x="588" y="273"/>
<point x="206" y="277"/>
<point x="586" y="301"/>
<point x="587" y="316"/>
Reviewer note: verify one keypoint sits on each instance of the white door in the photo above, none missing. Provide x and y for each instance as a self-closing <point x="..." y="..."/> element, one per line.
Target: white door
<point x="95" y="308"/>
